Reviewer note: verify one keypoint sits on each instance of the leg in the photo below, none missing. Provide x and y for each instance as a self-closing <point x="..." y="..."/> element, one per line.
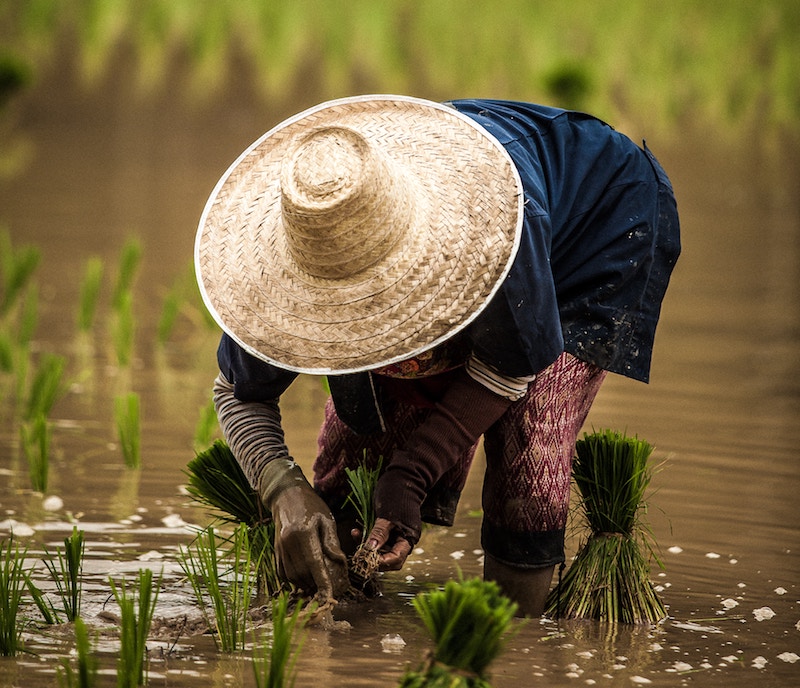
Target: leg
<point x="527" y="587"/>
<point x="528" y="470"/>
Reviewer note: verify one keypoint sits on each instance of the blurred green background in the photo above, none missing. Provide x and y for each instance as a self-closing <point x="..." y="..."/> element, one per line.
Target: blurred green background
<point x="728" y="64"/>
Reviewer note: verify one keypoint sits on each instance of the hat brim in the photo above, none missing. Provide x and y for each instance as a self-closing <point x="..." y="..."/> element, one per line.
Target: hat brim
<point x="469" y="207"/>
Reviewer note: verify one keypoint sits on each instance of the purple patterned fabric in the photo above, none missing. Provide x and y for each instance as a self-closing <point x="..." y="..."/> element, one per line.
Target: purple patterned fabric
<point x="528" y="462"/>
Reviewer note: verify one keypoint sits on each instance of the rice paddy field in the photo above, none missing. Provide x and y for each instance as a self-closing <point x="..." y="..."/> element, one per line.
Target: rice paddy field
<point x="108" y="152"/>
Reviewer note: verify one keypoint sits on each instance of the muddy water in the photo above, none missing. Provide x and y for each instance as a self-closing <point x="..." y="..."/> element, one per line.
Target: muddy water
<point x="723" y="411"/>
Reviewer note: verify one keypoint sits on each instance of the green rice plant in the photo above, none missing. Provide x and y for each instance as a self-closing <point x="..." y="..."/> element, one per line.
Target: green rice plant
<point x="362" y="481"/>
<point x="363" y="565"/>
<point x="6" y="353"/>
<point x="275" y="666"/>
<point x="123" y="329"/>
<point x="126" y="415"/>
<point x="85" y="676"/>
<point x="16" y="269"/>
<point x="176" y="300"/>
<point x="207" y="426"/>
<point x="35" y="442"/>
<point x="609" y="579"/>
<point x="43" y="603"/>
<point x="129" y="259"/>
<point x="12" y="586"/>
<point x="170" y="310"/>
<point x="65" y="569"/>
<point x="28" y="317"/>
<point x="46" y="387"/>
<point x="89" y="293"/>
<point x="468" y="621"/>
<point x="222" y="584"/>
<point x="136" y="618"/>
<point x="216" y="481"/>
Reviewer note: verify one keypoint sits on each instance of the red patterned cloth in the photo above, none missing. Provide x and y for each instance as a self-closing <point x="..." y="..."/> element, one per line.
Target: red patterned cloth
<point x="528" y="463"/>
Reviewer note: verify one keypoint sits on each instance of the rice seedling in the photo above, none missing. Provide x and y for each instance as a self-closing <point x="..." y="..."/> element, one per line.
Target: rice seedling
<point x="65" y="569"/>
<point x="35" y="442"/>
<point x="16" y="269"/>
<point x="129" y="259"/>
<point x="275" y="667"/>
<point x="136" y="617"/>
<point x="126" y="415"/>
<point x="175" y="301"/>
<point x="46" y="387"/>
<point x="609" y="579"/>
<point x="216" y="481"/>
<point x="12" y="586"/>
<point x="43" y="603"/>
<point x="85" y="676"/>
<point x="169" y="314"/>
<point x="206" y="427"/>
<point x="222" y="584"/>
<point x="28" y="317"/>
<point x="6" y="353"/>
<point x="122" y="332"/>
<point x="468" y="621"/>
<point x="89" y="293"/>
<point x="364" y="563"/>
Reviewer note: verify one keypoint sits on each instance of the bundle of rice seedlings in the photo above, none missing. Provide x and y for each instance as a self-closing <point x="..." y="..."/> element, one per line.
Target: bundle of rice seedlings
<point x="66" y="569"/>
<point x="275" y="663"/>
<point x="136" y="609"/>
<point x="222" y="583"/>
<point x="609" y="579"/>
<point x="87" y="670"/>
<point x="468" y="621"/>
<point x="216" y="480"/>
<point x="127" y="416"/>
<point x="13" y="577"/>
<point x="363" y="567"/>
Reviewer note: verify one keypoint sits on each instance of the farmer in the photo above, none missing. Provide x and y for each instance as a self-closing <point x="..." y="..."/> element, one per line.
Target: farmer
<point x="462" y="270"/>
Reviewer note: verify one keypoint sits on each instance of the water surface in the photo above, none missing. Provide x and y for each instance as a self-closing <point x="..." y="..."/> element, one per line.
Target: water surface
<point x="722" y="410"/>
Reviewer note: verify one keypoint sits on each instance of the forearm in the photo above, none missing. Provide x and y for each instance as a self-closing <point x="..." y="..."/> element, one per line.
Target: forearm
<point x="253" y="431"/>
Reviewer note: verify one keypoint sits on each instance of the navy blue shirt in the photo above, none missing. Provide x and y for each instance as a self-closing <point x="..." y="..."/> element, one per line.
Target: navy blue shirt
<point x="599" y="241"/>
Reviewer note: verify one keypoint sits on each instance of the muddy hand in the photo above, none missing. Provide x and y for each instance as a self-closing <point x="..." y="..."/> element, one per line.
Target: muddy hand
<point x="394" y="549"/>
<point x="306" y="545"/>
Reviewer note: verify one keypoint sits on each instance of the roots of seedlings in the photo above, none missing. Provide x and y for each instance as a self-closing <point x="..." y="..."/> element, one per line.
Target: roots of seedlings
<point x="364" y="570"/>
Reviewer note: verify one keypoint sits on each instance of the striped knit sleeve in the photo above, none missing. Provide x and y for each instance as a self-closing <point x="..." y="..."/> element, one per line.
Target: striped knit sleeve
<point x="512" y="388"/>
<point x="252" y="430"/>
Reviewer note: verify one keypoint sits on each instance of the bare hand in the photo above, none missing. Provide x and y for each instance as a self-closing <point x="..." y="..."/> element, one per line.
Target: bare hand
<point x="394" y="549"/>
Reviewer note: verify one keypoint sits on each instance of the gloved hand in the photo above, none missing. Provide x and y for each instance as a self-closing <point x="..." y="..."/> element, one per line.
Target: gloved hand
<point x="306" y="546"/>
<point x="467" y="409"/>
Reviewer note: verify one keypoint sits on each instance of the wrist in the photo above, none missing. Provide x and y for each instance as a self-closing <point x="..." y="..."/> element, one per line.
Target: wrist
<point x="278" y="476"/>
<point x="399" y="496"/>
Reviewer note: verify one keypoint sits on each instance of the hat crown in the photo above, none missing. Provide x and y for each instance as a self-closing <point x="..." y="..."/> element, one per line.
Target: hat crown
<point x="345" y="206"/>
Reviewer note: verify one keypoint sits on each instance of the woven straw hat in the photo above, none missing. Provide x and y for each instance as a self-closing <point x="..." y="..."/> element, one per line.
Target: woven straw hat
<point x="359" y="233"/>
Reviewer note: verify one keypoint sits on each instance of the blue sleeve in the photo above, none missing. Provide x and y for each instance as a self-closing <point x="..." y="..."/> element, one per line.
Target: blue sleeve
<point x="252" y="378"/>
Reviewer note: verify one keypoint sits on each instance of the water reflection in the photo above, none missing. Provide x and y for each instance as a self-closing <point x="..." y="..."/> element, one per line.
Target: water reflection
<point x="722" y="410"/>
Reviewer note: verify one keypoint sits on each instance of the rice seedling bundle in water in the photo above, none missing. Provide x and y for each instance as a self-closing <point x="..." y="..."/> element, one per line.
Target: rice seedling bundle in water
<point x="468" y="621"/>
<point x="85" y="674"/>
<point x="136" y="617"/>
<point x="609" y="579"/>
<point x="275" y="664"/>
<point x="66" y="569"/>
<point x="13" y="577"/>
<point x="217" y="481"/>
<point x="222" y="584"/>
<point x="127" y="416"/>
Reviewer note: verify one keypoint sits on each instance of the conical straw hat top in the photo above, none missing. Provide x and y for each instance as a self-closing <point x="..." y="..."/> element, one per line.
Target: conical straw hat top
<point x="359" y="233"/>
